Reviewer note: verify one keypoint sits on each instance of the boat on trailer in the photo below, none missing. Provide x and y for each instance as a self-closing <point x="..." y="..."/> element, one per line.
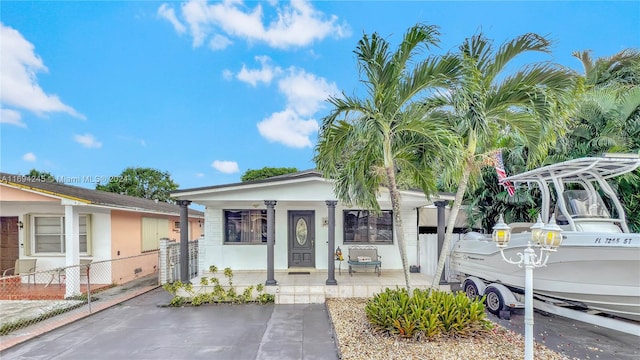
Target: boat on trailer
<point x="597" y="267"/>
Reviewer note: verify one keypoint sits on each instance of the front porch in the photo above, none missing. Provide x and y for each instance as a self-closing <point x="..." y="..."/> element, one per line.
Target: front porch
<point x="307" y="286"/>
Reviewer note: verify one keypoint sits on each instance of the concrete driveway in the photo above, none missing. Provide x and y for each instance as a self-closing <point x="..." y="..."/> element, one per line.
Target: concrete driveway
<point x="141" y="329"/>
<point x="138" y="329"/>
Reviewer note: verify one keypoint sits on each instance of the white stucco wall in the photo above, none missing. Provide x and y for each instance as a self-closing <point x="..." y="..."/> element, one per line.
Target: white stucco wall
<point x="254" y="257"/>
<point x="100" y="232"/>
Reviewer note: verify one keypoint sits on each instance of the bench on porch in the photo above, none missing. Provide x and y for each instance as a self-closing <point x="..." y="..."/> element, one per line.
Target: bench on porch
<point x="363" y="255"/>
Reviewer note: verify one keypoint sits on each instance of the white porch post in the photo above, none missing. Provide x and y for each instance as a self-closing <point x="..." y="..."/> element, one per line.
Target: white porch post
<point x="72" y="249"/>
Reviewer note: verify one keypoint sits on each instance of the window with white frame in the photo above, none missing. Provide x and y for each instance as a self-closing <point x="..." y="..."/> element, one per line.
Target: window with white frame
<point x="362" y="226"/>
<point x="245" y="226"/>
<point x="49" y="234"/>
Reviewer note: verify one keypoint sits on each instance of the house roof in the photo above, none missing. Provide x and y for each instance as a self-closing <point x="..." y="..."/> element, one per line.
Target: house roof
<point x="306" y="174"/>
<point x="242" y="189"/>
<point x="90" y="196"/>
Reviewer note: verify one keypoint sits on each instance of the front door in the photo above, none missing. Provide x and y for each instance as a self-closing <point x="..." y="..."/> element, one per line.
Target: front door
<point x="8" y="242"/>
<point x="301" y="239"/>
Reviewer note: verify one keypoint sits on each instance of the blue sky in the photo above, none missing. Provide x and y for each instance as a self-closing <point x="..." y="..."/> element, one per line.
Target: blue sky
<point x="208" y="90"/>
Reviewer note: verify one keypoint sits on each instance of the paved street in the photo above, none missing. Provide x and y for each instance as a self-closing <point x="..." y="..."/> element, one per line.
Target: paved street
<point x="576" y="339"/>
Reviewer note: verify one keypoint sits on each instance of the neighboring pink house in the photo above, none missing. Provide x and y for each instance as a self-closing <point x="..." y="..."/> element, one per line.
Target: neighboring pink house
<point x="60" y="224"/>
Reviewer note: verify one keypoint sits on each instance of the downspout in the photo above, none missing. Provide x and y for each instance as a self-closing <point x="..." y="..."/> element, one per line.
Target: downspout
<point x="418" y="239"/>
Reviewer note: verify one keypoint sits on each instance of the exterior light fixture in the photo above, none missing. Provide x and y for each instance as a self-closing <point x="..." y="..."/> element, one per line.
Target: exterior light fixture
<point x="20" y="225"/>
<point x="549" y="237"/>
<point x="537" y="230"/>
<point x="501" y="233"/>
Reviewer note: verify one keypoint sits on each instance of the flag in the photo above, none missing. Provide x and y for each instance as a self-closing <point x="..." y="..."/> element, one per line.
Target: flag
<point x="499" y="164"/>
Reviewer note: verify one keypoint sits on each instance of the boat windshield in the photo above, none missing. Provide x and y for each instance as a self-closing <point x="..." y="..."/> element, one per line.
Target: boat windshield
<point x="584" y="204"/>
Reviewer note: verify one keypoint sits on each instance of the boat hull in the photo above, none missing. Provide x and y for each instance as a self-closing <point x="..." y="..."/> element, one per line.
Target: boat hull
<point x="598" y="271"/>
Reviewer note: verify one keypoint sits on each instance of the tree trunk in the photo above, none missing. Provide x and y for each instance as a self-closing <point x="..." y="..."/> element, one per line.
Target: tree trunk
<point x="394" y="194"/>
<point x="446" y="245"/>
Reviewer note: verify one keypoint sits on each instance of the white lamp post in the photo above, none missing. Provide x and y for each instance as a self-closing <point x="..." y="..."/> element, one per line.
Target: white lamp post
<point x="548" y="238"/>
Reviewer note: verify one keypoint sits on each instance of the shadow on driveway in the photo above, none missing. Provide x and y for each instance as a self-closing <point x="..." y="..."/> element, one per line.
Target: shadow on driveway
<point x="141" y="329"/>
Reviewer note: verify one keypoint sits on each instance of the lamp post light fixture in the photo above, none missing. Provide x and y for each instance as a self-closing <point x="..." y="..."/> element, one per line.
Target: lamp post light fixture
<point x="547" y="238"/>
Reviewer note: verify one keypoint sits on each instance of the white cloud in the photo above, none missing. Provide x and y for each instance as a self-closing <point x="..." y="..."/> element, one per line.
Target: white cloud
<point x="8" y="116"/>
<point x="288" y="128"/>
<point x="219" y="42"/>
<point x="227" y="74"/>
<point x="199" y="175"/>
<point x="265" y="74"/>
<point x="168" y="13"/>
<point x="88" y="141"/>
<point x="29" y="157"/>
<point x="294" y="25"/>
<point x="305" y="92"/>
<point x="224" y="166"/>
<point x="18" y="84"/>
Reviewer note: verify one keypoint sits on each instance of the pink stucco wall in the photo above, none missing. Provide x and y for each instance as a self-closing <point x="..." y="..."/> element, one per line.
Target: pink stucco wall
<point x="126" y="234"/>
<point x="11" y="194"/>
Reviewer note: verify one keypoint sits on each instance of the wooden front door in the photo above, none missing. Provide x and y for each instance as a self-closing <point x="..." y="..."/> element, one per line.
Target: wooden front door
<point x="302" y="239"/>
<point x="8" y="241"/>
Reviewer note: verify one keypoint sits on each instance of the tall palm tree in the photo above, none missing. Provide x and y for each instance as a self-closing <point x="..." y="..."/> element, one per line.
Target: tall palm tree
<point x="381" y="139"/>
<point x="489" y="105"/>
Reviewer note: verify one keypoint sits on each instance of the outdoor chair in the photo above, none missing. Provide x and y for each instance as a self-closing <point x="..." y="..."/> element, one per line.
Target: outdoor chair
<point x="366" y="256"/>
<point x="23" y="267"/>
<point x="85" y="265"/>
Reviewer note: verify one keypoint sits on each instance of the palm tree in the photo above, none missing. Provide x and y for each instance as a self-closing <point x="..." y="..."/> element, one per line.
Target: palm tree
<point x="623" y="68"/>
<point x="489" y="107"/>
<point x="377" y="141"/>
<point x="606" y="118"/>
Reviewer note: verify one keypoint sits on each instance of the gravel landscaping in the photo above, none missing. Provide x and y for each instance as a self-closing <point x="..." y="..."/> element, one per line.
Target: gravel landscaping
<point x="356" y="339"/>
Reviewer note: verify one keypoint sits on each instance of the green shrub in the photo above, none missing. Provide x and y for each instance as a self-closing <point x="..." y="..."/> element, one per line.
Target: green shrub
<point x="218" y="294"/>
<point x="426" y="314"/>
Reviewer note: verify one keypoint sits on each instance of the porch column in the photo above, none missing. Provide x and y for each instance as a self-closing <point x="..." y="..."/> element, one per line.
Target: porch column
<point x="331" y="279"/>
<point x="185" y="277"/>
<point x="72" y="250"/>
<point x="441" y="230"/>
<point x="271" y="237"/>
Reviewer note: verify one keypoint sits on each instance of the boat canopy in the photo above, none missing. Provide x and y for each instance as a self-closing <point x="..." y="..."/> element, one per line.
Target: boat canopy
<point x="588" y="168"/>
<point x="584" y="208"/>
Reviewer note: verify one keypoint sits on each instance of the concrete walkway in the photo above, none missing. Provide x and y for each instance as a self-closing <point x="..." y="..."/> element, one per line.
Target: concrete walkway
<point x="140" y="329"/>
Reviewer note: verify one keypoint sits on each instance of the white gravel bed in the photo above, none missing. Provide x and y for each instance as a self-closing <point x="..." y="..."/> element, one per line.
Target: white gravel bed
<point x="357" y="339"/>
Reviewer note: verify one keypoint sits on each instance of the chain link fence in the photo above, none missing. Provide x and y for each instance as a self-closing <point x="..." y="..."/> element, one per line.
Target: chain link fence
<point x="29" y="297"/>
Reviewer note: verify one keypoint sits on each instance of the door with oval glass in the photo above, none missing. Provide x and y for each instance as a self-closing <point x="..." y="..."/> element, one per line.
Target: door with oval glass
<point x="302" y="238"/>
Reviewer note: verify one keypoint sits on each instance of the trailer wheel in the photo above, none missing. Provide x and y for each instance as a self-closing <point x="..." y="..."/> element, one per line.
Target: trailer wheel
<point x="470" y="289"/>
<point x="494" y="301"/>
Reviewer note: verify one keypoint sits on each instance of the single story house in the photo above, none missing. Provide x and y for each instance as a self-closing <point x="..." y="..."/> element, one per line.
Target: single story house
<point x="307" y="225"/>
<point x="59" y="224"/>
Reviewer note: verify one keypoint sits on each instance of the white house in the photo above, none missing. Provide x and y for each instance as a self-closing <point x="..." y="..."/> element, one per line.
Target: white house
<point x="307" y="224"/>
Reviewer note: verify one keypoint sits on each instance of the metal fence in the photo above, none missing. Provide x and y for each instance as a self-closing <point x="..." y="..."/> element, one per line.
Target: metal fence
<point x="34" y="296"/>
<point x="170" y="260"/>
